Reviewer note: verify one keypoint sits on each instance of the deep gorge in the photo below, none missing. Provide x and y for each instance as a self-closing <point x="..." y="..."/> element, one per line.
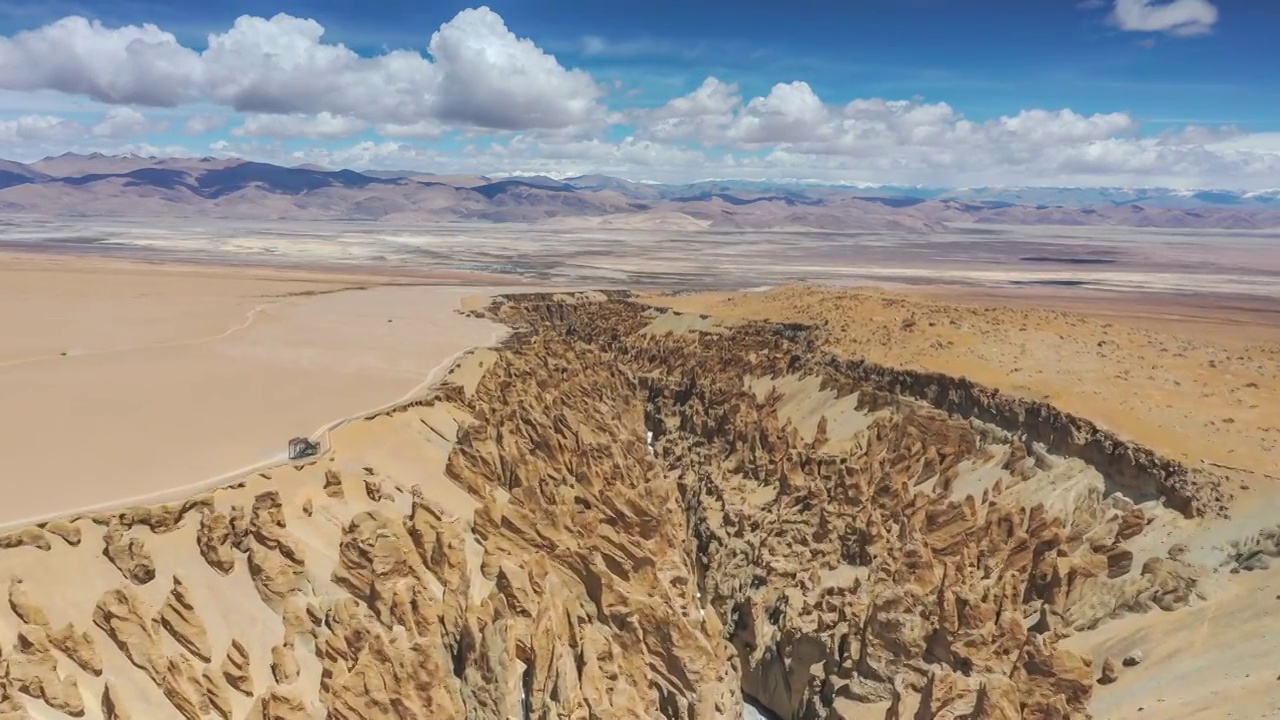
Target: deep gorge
<point x="860" y="544"/>
<point x="647" y="515"/>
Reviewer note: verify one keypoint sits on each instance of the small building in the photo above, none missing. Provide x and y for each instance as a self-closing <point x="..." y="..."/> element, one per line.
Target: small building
<point x="301" y="447"/>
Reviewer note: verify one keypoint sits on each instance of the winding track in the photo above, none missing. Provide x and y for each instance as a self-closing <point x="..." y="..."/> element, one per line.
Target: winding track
<point x="249" y="319"/>
<point x="320" y="436"/>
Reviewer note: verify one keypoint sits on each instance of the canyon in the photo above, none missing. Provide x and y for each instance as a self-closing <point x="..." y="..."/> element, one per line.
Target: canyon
<point x="628" y="511"/>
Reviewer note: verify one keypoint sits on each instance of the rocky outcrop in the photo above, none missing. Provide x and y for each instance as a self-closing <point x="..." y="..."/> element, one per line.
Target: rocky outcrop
<point x="68" y="531"/>
<point x="277" y="705"/>
<point x="846" y="563"/>
<point x="333" y="484"/>
<point x="216" y="692"/>
<point x="79" y="646"/>
<point x="183" y="688"/>
<point x="276" y="560"/>
<point x="1108" y="673"/>
<point x="129" y="554"/>
<point x="111" y="709"/>
<point x="23" y="606"/>
<point x="32" y="670"/>
<point x="27" y="537"/>
<point x="184" y="624"/>
<point x="126" y="620"/>
<point x="235" y="669"/>
<point x="1132" y="468"/>
<point x="284" y="664"/>
<point x="629" y="524"/>
<point x="214" y="541"/>
<point x="159" y="519"/>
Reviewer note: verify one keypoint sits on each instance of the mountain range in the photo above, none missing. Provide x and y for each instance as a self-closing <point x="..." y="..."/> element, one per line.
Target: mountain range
<point x="133" y="186"/>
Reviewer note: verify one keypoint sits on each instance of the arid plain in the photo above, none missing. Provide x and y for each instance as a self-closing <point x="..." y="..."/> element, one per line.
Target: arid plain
<point x="124" y="380"/>
<point x="141" y="365"/>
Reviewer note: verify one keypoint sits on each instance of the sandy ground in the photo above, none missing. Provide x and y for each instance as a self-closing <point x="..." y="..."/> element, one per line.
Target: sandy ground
<point x="172" y="375"/>
<point x="1218" y="661"/>
<point x="399" y="449"/>
<point x="607" y="252"/>
<point x="1195" y="378"/>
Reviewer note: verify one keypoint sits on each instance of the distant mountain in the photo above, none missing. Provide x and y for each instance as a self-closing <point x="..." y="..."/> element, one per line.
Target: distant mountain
<point x="1102" y="196"/>
<point x="454" y="180"/>
<point x="536" y="180"/>
<point x="132" y="185"/>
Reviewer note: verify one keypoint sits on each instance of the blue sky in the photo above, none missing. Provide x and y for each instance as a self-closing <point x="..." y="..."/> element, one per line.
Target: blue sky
<point x="1195" y="75"/>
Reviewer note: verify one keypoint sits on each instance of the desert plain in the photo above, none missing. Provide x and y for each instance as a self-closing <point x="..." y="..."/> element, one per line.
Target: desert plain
<point x="166" y="367"/>
<point x="126" y="382"/>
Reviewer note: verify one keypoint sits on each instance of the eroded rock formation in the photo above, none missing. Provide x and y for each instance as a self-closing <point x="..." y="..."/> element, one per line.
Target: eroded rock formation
<point x="615" y="521"/>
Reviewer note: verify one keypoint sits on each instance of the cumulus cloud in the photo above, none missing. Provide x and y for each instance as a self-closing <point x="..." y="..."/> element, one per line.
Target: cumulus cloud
<point x="631" y="154"/>
<point x="365" y="154"/>
<point x="525" y="112"/>
<point x="791" y="112"/>
<point x="1036" y="148"/>
<point x="478" y="74"/>
<point x="423" y="130"/>
<point x="702" y="114"/>
<point x="490" y="78"/>
<point x="324" y="125"/>
<point x="39" y="129"/>
<point x="142" y="65"/>
<point x="522" y="154"/>
<point x="33" y="136"/>
<point x="124" y="122"/>
<point x="1173" y="17"/>
<point x="1264" y="143"/>
<point x="792" y="115"/>
<point x="204" y="123"/>
<point x="912" y="141"/>
<point x="115" y="124"/>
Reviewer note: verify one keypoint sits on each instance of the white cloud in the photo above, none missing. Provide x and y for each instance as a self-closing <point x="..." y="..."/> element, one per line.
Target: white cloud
<point x="124" y="122"/>
<point x="33" y="136"/>
<point x="791" y="112"/>
<point x="426" y="129"/>
<point x="479" y="73"/>
<point x="524" y="112"/>
<point x="491" y="78"/>
<point x="366" y="154"/>
<point x="589" y="156"/>
<point x="912" y="141"/>
<point x="314" y="127"/>
<point x="282" y="66"/>
<point x="40" y="128"/>
<point x="204" y="123"/>
<point x="1267" y="143"/>
<point x="1174" y="17"/>
<point x="142" y="65"/>
<point x="703" y="113"/>
<point x="792" y="115"/>
<point x="1035" y="149"/>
